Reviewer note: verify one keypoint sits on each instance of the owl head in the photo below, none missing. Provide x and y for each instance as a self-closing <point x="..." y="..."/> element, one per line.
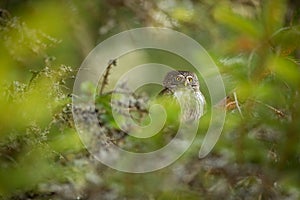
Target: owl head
<point x="181" y="79"/>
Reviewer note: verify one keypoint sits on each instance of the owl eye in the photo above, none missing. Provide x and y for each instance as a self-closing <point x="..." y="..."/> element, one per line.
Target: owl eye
<point x="178" y="78"/>
<point x="190" y="79"/>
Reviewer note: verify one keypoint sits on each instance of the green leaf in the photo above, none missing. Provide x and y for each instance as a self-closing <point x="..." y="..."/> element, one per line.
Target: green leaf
<point x="226" y="16"/>
<point x="285" y="69"/>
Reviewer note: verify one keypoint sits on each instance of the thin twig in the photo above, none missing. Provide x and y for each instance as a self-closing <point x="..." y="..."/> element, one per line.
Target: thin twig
<point x="111" y="63"/>
<point x="237" y="104"/>
<point x="278" y="112"/>
<point x="249" y="61"/>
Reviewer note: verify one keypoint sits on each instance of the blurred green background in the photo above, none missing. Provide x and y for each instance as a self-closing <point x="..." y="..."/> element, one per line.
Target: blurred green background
<point x="255" y="44"/>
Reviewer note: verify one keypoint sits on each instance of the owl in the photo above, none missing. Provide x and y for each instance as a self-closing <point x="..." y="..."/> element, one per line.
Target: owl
<point x="185" y="87"/>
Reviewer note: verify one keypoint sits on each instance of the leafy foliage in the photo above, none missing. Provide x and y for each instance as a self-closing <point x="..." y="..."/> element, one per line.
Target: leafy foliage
<point x="255" y="43"/>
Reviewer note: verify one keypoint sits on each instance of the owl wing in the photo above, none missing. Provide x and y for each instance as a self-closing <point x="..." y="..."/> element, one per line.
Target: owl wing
<point x="166" y="92"/>
<point x="201" y="101"/>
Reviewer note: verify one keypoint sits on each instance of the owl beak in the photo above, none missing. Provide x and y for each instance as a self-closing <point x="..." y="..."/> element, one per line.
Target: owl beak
<point x="186" y="82"/>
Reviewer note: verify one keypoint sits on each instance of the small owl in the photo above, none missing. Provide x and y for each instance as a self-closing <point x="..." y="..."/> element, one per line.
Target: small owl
<point x="184" y="86"/>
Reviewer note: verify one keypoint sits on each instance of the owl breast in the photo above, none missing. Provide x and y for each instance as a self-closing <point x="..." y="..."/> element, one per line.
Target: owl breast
<point x="192" y="104"/>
